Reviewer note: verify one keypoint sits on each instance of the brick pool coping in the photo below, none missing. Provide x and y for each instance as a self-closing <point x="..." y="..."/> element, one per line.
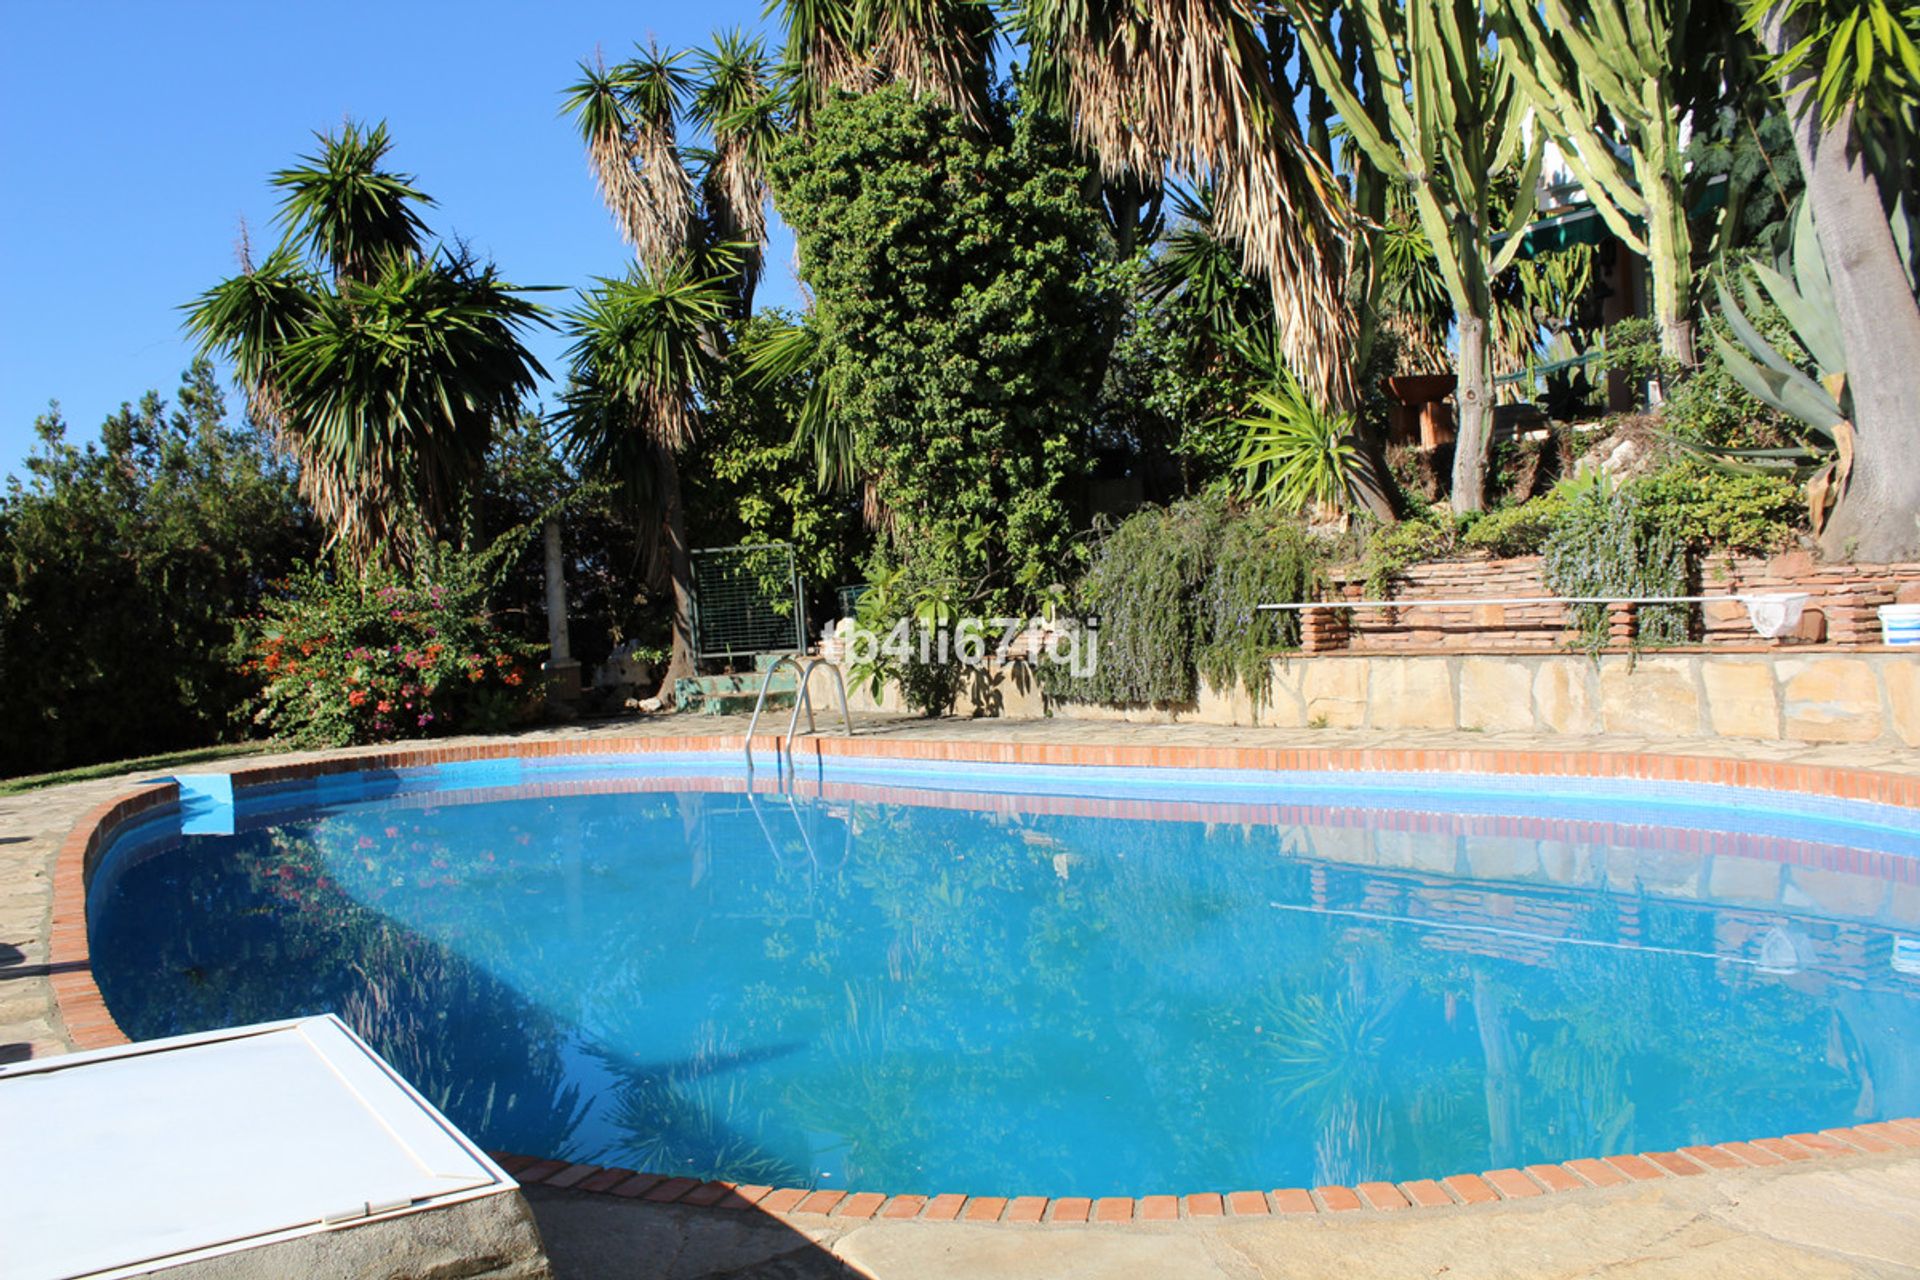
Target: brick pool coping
<point x="89" y="1025"/>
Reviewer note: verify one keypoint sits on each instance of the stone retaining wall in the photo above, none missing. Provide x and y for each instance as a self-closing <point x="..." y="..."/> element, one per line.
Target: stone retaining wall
<point x="1813" y="696"/>
<point x="1841" y="610"/>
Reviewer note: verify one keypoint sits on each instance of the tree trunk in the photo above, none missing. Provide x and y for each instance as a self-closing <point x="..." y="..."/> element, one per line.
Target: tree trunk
<point x="1878" y="515"/>
<point x="680" y="663"/>
<point x="1475" y="408"/>
<point x="559" y="644"/>
<point x="1669" y="244"/>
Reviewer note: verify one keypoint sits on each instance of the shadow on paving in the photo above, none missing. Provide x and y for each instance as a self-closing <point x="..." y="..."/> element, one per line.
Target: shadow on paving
<point x="597" y="1237"/>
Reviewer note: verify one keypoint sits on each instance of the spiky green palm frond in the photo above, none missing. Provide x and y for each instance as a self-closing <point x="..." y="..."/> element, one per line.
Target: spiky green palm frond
<point x="629" y="119"/>
<point x="644" y="348"/>
<point x="1186" y="86"/>
<point x="341" y="207"/>
<point x="791" y="353"/>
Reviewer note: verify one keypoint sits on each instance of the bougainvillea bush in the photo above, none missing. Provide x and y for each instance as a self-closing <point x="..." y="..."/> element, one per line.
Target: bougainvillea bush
<point x="345" y="658"/>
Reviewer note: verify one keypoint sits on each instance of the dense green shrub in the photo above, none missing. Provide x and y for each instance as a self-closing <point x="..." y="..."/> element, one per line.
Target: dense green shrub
<point x="1519" y="530"/>
<point x="124" y="570"/>
<point x="1714" y="509"/>
<point x="1392" y="549"/>
<point x="1175" y="590"/>
<point x="1704" y="405"/>
<point x="961" y="320"/>
<point x="1604" y="544"/>
<point x="344" y="658"/>
<point x="1261" y="558"/>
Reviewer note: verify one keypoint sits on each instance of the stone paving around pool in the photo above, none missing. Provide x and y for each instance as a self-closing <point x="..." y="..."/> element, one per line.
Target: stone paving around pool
<point x="1836" y="1212"/>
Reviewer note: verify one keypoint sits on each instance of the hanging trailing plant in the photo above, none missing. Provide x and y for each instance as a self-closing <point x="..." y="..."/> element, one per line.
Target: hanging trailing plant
<point x="1604" y="543"/>
<point x="1176" y="591"/>
<point x="1260" y="559"/>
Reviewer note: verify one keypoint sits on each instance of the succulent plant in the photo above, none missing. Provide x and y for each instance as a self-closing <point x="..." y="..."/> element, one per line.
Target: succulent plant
<point x="1816" y="397"/>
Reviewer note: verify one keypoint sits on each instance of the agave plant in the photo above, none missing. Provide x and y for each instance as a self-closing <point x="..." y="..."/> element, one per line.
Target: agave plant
<point x="1817" y="397"/>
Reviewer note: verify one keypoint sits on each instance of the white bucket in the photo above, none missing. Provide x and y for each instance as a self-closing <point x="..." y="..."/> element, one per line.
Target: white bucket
<point x="1900" y="623"/>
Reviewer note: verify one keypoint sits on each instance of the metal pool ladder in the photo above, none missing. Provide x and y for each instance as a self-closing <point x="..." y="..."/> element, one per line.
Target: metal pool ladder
<point x="801" y="698"/>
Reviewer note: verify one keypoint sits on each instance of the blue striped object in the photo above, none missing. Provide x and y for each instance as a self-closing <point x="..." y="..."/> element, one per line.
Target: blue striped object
<point x="1900" y="623"/>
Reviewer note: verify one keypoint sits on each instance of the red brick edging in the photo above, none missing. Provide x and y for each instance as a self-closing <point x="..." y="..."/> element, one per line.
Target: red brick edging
<point x="1491" y="1187"/>
<point x="89" y="1025"/>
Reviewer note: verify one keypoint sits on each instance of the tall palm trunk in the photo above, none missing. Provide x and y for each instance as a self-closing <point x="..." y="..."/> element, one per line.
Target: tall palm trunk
<point x="680" y="663"/>
<point x="1878" y="516"/>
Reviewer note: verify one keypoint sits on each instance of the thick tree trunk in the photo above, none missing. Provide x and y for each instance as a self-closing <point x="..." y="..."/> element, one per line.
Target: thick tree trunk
<point x="1878" y="516"/>
<point x="1475" y="409"/>
<point x="680" y="663"/>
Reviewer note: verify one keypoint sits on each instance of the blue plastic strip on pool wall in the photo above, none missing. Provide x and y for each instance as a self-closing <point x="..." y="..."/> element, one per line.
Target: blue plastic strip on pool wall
<point x="206" y="803"/>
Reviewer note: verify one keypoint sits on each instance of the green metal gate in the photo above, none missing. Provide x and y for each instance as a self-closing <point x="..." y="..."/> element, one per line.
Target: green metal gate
<point x="748" y="600"/>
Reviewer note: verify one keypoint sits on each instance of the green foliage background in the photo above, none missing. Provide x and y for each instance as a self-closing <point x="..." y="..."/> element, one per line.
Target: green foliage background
<point x="126" y="569"/>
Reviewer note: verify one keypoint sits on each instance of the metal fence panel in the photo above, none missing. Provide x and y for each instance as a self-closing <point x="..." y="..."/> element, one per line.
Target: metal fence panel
<point x="747" y="600"/>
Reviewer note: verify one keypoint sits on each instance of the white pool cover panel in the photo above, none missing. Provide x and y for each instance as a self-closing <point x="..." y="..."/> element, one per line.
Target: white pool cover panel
<point x="127" y="1158"/>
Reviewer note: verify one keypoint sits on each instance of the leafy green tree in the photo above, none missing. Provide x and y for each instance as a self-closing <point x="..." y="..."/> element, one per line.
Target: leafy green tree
<point x="646" y="348"/>
<point x="754" y="480"/>
<point x="126" y="571"/>
<point x="958" y="322"/>
<point x="383" y="367"/>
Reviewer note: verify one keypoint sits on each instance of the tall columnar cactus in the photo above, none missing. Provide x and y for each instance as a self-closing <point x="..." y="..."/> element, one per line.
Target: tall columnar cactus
<point x="1451" y="135"/>
<point x="1602" y="79"/>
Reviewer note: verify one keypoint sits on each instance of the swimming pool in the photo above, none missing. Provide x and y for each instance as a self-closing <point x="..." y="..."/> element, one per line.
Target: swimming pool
<point x="1009" y="979"/>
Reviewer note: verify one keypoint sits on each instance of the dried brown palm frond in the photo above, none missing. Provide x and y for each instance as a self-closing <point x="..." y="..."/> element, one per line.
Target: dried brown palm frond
<point x="627" y="117"/>
<point x="1183" y="84"/>
<point x="940" y="49"/>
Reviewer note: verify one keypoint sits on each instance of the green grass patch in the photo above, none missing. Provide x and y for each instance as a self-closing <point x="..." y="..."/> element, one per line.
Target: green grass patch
<point x="168" y="760"/>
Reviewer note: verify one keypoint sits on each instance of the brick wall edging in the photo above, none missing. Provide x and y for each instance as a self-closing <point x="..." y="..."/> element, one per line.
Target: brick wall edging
<point x="89" y="1025"/>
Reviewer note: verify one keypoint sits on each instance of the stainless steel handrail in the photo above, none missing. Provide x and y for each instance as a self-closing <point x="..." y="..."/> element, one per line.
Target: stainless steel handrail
<point x="805" y="698"/>
<point x="802" y="697"/>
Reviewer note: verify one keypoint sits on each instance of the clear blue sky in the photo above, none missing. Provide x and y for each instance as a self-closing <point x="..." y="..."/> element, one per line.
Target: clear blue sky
<point x="134" y="137"/>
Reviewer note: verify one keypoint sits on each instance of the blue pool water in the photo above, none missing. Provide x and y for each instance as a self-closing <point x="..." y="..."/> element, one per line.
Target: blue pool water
<point x="1062" y="982"/>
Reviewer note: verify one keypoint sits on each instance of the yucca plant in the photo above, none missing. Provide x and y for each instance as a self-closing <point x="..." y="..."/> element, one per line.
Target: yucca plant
<point x="382" y="366"/>
<point x="1297" y="454"/>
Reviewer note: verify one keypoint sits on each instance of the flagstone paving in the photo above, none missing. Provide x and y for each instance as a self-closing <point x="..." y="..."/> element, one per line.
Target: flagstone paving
<point x="1849" y="1216"/>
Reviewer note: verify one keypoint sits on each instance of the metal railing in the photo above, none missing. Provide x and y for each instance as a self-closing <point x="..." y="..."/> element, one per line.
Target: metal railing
<point x="802" y="698"/>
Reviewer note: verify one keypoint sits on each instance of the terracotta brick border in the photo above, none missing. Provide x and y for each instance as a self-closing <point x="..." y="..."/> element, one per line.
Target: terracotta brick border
<point x="89" y="1025"/>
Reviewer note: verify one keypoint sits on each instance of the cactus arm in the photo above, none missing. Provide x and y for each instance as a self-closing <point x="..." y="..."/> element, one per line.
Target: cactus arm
<point x="1316" y="44"/>
<point x="1522" y="209"/>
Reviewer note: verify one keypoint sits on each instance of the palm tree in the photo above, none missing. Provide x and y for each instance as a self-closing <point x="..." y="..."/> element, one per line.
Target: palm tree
<point x="381" y="366"/>
<point x="940" y="49"/>
<point x="645" y="347"/>
<point x="629" y="118"/>
<point x="1152" y="86"/>
<point x="1838" y="69"/>
<point x="737" y="102"/>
